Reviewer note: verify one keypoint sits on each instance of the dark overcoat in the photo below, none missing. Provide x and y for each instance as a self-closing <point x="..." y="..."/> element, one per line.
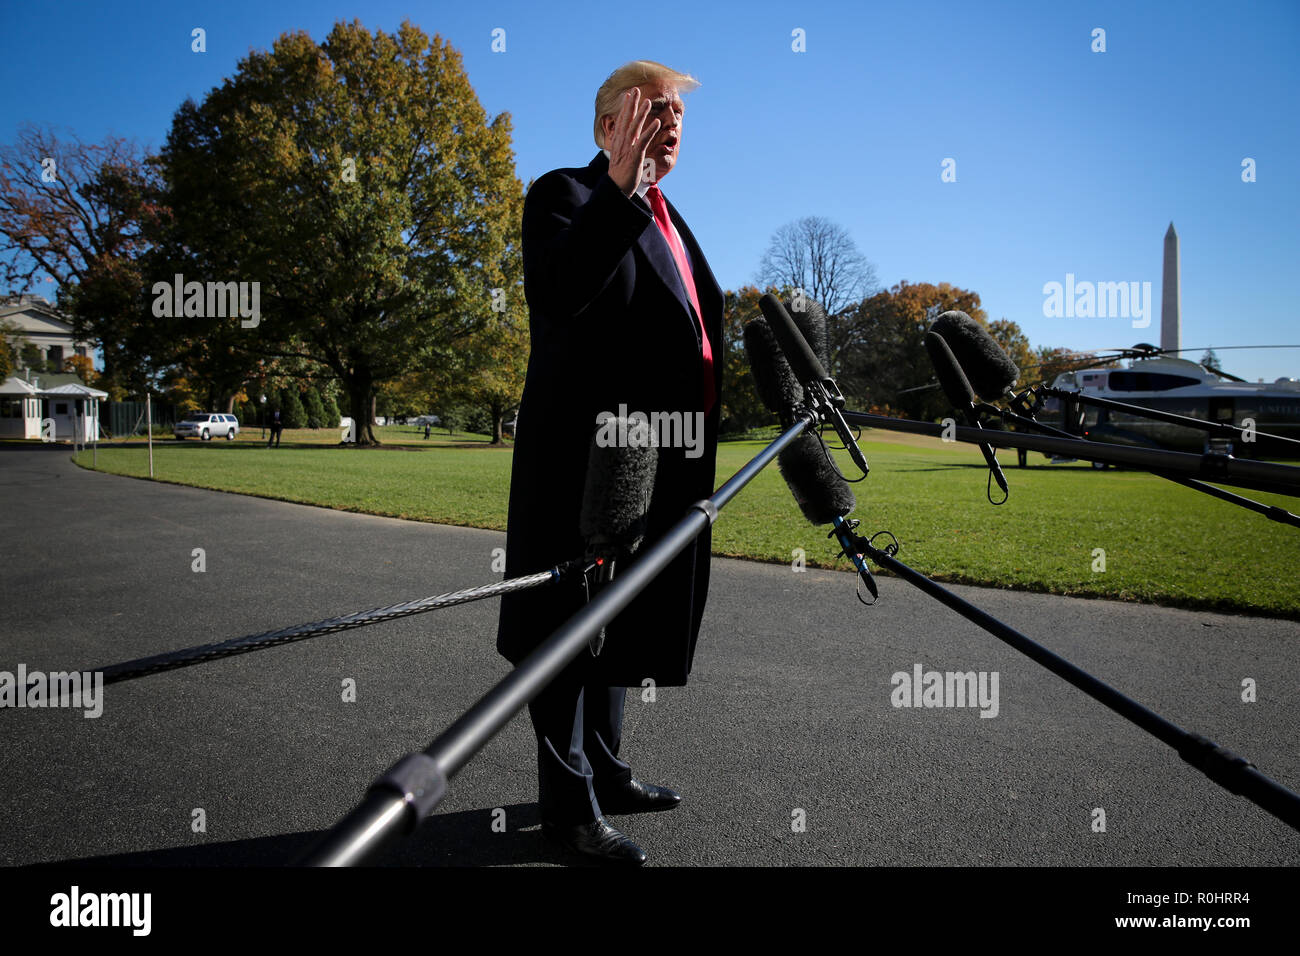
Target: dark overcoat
<point x="611" y="326"/>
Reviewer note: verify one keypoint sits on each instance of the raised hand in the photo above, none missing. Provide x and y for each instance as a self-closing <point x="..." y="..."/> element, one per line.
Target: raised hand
<point x="628" y="140"/>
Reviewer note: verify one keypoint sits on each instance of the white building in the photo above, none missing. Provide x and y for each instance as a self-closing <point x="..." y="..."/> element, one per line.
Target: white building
<point x="44" y="327"/>
<point x="20" y="409"/>
<point x="61" y="413"/>
<point x="34" y="403"/>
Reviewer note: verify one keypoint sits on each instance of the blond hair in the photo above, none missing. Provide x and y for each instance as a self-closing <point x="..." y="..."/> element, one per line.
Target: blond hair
<point x="636" y="73"/>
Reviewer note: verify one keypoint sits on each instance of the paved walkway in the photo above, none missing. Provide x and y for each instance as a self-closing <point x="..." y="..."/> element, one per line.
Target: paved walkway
<point x="788" y="717"/>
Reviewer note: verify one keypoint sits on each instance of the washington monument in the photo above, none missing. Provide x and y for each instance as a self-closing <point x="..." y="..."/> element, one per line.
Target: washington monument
<point x="1169" y="295"/>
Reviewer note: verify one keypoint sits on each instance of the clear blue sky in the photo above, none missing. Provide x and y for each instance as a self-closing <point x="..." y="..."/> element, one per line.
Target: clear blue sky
<point x="1067" y="161"/>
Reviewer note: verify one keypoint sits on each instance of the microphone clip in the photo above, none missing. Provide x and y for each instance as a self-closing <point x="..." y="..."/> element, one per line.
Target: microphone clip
<point x="598" y="572"/>
<point x="855" y="547"/>
<point x="826" y="401"/>
<point x="1028" y="403"/>
<point x="827" y="394"/>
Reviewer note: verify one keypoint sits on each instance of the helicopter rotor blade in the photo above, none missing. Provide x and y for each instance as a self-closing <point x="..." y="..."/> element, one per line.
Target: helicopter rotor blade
<point x="1073" y="361"/>
<point x="1224" y="348"/>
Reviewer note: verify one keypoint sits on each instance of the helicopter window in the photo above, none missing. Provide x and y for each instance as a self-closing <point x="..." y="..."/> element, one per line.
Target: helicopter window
<point x="1147" y="381"/>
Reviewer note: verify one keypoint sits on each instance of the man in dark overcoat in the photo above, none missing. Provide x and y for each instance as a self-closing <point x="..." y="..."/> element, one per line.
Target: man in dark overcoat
<point x="625" y="314"/>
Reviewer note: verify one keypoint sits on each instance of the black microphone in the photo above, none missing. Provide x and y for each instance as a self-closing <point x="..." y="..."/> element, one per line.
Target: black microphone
<point x="962" y="396"/>
<point x="823" y="495"/>
<point x="989" y="370"/>
<point x="819" y="489"/>
<point x="774" y="380"/>
<point x="615" y="500"/>
<point x="819" y="388"/>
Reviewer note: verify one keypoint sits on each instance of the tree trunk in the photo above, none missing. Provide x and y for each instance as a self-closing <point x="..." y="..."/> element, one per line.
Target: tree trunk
<point x="361" y="408"/>
<point x="498" y="417"/>
<point x="108" y="377"/>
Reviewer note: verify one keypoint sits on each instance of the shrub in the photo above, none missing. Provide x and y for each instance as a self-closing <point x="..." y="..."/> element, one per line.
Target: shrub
<point x="315" y="409"/>
<point x="478" y="420"/>
<point x="292" y="414"/>
<point x="333" y="417"/>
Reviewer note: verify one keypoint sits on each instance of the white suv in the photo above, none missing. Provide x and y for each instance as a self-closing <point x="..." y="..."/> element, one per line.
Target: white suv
<point x="206" y="426"/>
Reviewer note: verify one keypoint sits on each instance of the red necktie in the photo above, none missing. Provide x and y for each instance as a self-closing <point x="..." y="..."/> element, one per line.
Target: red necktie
<point x="660" y="209"/>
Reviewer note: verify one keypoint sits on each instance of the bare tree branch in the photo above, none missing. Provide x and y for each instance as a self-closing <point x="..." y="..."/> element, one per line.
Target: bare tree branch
<point x="820" y="257"/>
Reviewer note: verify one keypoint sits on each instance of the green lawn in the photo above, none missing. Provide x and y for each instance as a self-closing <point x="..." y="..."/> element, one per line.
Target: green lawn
<point x="1163" y="543"/>
<point x="388" y="434"/>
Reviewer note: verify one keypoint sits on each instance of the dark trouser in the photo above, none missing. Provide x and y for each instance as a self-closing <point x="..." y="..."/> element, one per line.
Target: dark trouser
<point x="579" y="729"/>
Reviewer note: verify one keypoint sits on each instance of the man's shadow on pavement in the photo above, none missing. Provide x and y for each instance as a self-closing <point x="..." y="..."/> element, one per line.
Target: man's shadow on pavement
<point x="466" y="838"/>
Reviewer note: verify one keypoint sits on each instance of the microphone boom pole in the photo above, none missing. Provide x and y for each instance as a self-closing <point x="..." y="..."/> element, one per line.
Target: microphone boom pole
<point x="1228" y="770"/>
<point x="414" y="786"/>
<point x="205" y="653"/>
<point x="1272" y="512"/>
<point x="965" y="355"/>
<point x="1222" y="469"/>
<point x="1222" y="429"/>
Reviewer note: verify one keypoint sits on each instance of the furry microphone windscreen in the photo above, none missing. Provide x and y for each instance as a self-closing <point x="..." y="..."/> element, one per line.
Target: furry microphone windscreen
<point x="620" y="482"/>
<point x="988" y="369"/>
<point x="774" y="380"/>
<point x="820" y="491"/>
<point x="949" y="373"/>
<point x="810" y="318"/>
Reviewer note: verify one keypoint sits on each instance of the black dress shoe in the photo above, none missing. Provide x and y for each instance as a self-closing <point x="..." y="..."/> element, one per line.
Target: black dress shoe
<point x="636" y="797"/>
<point x="597" y="840"/>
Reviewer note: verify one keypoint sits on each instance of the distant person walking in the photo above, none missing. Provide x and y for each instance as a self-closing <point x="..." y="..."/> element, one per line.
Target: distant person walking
<point x="276" y="428"/>
<point x="427" y="426"/>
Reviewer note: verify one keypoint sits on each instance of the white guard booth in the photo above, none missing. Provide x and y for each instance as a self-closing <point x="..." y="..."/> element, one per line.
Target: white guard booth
<point x="20" y="409"/>
<point x="74" y="410"/>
